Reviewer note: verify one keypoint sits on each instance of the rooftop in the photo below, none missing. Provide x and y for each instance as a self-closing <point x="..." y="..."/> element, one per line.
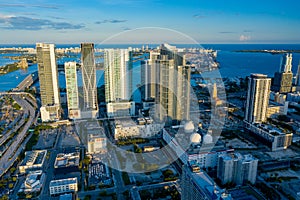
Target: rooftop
<point x="271" y="129"/>
<point x="60" y="182"/>
<point x="67" y="160"/>
<point x="34" y="157"/>
<point x="66" y="197"/>
<point x="206" y="184"/>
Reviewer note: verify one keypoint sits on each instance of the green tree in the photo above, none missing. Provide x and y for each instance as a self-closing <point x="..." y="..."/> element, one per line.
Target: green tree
<point x="12" y="170"/>
<point x="168" y="173"/>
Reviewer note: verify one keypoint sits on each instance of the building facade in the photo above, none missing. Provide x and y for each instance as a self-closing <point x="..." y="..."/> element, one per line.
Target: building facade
<point x="63" y="186"/>
<point x="127" y="128"/>
<point x="174" y="89"/>
<point x="34" y="160"/>
<point x="257" y="98"/>
<point x="97" y="142"/>
<point x="196" y="184"/>
<point x="89" y="108"/>
<point x="283" y="79"/>
<point x="120" y="109"/>
<point x="273" y="137"/>
<point x="166" y="81"/>
<point x="150" y="76"/>
<point x="72" y="90"/>
<point x="118" y="82"/>
<point x="286" y="63"/>
<point x="283" y="82"/>
<point x="238" y="169"/>
<point x="48" y="77"/>
<point x="116" y="65"/>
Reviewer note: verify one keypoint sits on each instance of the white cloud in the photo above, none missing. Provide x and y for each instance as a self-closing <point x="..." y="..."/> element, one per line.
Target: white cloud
<point x="28" y="23"/>
<point x="244" y="38"/>
<point x="6" y="16"/>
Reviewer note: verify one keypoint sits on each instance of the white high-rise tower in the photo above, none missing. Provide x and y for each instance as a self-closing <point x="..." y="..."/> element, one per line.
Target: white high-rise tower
<point x="257" y="98"/>
<point x="116" y="64"/>
<point x="286" y="63"/>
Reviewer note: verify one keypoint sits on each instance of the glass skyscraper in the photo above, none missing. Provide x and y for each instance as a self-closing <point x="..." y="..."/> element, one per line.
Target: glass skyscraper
<point x="49" y="90"/>
<point x="72" y="90"/>
<point x="89" y="108"/>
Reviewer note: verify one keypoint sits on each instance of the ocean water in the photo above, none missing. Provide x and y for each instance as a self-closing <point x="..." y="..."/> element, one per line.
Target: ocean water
<point x="242" y="64"/>
<point x="232" y="64"/>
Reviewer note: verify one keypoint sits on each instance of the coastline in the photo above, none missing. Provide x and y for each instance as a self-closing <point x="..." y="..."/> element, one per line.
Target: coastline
<point x="267" y="51"/>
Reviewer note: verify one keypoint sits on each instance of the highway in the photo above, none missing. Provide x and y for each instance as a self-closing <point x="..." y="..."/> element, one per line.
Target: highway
<point x="27" y="82"/>
<point x="7" y="135"/>
<point x="16" y="147"/>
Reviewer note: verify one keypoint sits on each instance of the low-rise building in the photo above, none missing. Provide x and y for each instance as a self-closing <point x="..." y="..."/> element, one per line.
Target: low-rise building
<point x="63" y="186"/>
<point x="273" y="137"/>
<point x="142" y="127"/>
<point x="97" y="142"/>
<point x="67" y="160"/>
<point x="68" y="196"/>
<point x="93" y="136"/>
<point x="33" y="182"/>
<point x="204" y="155"/>
<point x="275" y="109"/>
<point x="278" y="98"/>
<point x="293" y="97"/>
<point x="33" y="160"/>
<point x="99" y="174"/>
<point x="121" y="109"/>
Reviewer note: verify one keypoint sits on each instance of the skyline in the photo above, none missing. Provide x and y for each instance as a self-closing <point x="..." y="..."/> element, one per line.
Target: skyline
<point x="206" y="22"/>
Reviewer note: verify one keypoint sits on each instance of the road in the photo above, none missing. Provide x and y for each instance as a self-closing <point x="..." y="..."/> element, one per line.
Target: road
<point x="117" y="175"/>
<point x="7" y="135"/>
<point x="16" y="147"/>
<point x="135" y="190"/>
<point x="48" y="167"/>
<point x="27" y="82"/>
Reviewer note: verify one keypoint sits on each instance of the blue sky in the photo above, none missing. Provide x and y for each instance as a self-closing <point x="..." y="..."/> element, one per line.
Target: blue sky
<point x="217" y="21"/>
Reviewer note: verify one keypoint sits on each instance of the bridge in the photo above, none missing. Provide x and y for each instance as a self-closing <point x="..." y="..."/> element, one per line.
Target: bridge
<point x="27" y="82"/>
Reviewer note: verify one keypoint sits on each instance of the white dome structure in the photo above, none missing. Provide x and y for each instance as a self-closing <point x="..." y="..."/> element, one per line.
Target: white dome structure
<point x="195" y="138"/>
<point x="189" y="127"/>
<point x="207" y="139"/>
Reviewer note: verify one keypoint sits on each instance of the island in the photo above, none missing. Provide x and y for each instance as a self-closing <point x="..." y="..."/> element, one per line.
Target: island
<point x="272" y="51"/>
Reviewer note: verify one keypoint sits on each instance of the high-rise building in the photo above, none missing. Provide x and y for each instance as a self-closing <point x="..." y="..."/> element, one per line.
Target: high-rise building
<point x="225" y="168"/>
<point x="257" y="98"/>
<point x="246" y="170"/>
<point x="297" y="81"/>
<point x="116" y="62"/>
<point x="166" y="81"/>
<point x="282" y="82"/>
<point x="48" y="77"/>
<point x="174" y="89"/>
<point x="196" y="184"/>
<point x="150" y="76"/>
<point x="89" y="109"/>
<point x="72" y="90"/>
<point x="118" y="82"/>
<point x="286" y="63"/>
<point x="238" y="169"/>
<point x="283" y="79"/>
